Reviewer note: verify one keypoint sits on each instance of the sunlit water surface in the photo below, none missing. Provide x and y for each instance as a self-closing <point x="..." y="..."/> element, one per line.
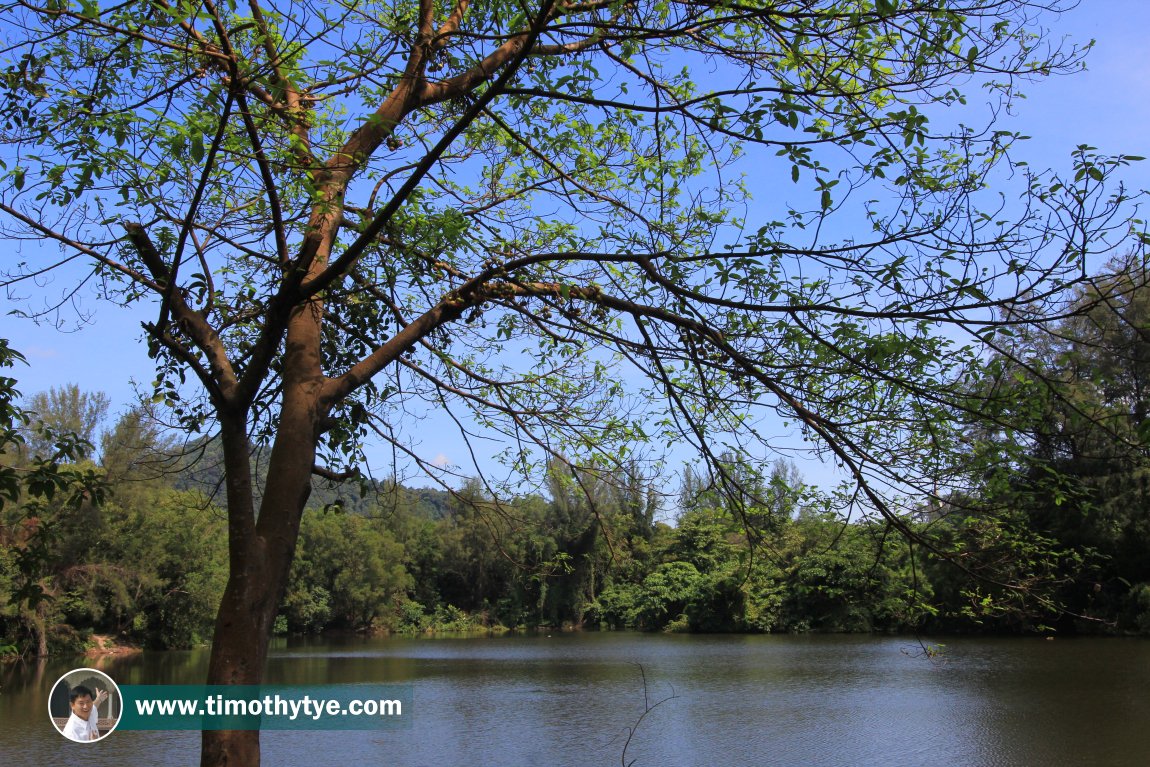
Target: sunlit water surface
<point x="572" y="699"/>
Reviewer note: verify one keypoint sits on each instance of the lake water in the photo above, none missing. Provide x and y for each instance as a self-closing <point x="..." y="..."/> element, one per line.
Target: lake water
<point x="569" y="699"/>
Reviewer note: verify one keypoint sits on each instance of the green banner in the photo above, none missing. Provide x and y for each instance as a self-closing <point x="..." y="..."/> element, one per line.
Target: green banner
<point x="266" y="707"/>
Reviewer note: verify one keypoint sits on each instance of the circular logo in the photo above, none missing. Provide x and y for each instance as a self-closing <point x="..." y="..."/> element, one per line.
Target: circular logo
<point x="85" y="705"/>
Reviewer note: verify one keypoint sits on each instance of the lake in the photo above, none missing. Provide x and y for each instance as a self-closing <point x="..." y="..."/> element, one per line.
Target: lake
<point x="569" y="699"/>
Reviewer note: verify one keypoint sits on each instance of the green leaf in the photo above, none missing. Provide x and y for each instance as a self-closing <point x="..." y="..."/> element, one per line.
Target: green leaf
<point x="197" y="148"/>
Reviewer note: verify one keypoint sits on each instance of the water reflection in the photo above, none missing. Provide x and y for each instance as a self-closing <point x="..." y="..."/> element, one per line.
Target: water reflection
<point x="570" y="699"/>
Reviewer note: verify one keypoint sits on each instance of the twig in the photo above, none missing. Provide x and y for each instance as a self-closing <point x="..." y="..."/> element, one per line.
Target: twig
<point x="648" y="707"/>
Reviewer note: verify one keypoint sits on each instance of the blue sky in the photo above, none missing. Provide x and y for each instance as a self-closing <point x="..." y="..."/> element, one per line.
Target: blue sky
<point x="1108" y="106"/>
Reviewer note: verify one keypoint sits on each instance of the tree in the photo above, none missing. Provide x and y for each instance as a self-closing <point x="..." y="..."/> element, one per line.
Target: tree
<point x="39" y="494"/>
<point x="1077" y="471"/>
<point x="349" y="571"/>
<point x="66" y="410"/>
<point x="338" y="212"/>
<point x="138" y="450"/>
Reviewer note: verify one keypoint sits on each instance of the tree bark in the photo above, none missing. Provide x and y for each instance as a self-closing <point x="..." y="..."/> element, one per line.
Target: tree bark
<point x="261" y="547"/>
<point x="40" y="626"/>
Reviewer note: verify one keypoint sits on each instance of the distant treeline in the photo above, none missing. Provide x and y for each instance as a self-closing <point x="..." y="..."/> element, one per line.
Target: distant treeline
<point x="148" y="565"/>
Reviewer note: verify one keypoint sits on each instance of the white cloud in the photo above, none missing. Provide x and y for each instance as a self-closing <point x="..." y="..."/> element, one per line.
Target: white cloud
<point x="39" y="352"/>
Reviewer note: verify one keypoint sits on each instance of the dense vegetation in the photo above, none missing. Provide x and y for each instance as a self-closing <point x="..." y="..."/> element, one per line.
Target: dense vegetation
<point x="128" y="540"/>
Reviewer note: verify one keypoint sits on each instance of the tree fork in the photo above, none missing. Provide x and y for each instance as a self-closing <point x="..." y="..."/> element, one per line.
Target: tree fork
<point x="263" y="546"/>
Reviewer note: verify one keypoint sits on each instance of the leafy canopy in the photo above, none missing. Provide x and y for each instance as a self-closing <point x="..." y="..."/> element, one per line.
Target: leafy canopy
<point x="538" y="217"/>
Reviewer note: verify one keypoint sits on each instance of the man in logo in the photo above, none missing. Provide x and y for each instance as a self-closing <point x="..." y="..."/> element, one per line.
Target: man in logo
<point x="82" y="723"/>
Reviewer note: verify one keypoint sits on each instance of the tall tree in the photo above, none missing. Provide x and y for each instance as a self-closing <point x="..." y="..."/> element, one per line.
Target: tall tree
<point x="1078" y="470"/>
<point x="341" y="208"/>
<point x="65" y="410"/>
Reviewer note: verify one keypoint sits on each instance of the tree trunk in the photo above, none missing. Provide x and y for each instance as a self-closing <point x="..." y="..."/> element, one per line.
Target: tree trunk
<point x="40" y="626"/>
<point x="239" y="649"/>
<point x="261" y="547"/>
<point x="247" y="611"/>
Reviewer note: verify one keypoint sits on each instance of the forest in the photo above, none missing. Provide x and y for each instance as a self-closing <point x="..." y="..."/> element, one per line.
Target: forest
<point x="112" y="526"/>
